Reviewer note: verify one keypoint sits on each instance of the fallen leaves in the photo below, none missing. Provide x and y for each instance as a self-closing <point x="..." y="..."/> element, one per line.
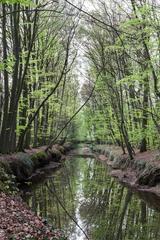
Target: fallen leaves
<point x="18" y="222"/>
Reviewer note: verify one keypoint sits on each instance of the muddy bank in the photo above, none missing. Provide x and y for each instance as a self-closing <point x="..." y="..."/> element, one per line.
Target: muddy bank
<point x="142" y="173"/>
<point x="29" y="165"/>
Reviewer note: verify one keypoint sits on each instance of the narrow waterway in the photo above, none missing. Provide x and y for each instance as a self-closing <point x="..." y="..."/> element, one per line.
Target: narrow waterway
<point x="103" y="208"/>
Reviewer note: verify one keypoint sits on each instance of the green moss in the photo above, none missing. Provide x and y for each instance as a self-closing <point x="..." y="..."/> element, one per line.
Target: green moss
<point x="39" y="159"/>
<point x="39" y="155"/>
<point x="22" y="165"/>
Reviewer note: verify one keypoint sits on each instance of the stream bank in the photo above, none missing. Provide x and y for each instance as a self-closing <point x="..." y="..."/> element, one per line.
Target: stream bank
<point x="141" y="173"/>
<point x="17" y="220"/>
<point x="99" y="204"/>
<point x="29" y="165"/>
<point x="102" y="207"/>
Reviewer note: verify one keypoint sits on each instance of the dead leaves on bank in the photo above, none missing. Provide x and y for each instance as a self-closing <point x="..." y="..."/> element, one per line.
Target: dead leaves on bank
<point x="18" y="222"/>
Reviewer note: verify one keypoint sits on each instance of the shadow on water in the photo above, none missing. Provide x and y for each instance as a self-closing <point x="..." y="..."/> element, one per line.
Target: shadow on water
<point x="103" y="208"/>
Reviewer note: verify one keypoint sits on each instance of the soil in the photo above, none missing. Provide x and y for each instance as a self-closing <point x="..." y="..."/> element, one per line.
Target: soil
<point x="13" y="156"/>
<point x="130" y="175"/>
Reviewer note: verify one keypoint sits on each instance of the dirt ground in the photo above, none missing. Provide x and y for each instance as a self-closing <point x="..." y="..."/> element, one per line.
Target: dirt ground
<point x="129" y="175"/>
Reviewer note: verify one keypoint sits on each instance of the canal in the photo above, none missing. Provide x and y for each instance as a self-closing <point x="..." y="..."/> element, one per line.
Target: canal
<point x="82" y="195"/>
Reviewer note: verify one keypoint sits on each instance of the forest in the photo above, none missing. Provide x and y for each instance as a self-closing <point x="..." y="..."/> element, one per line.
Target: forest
<point x="52" y="56"/>
<point x="79" y="73"/>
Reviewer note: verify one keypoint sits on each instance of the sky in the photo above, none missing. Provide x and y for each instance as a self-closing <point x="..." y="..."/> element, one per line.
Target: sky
<point x="82" y="62"/>
<point x="88" y="5"/>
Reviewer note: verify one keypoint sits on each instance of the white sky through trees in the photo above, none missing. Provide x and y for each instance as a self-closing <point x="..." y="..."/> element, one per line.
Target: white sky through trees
<point x="82" y="66"/>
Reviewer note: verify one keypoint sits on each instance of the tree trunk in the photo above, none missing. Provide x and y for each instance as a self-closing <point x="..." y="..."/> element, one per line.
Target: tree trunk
<point x="3" y="136"/>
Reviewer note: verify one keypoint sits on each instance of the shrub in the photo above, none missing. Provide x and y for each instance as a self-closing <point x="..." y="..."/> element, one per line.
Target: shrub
<point x="7" y="179"/>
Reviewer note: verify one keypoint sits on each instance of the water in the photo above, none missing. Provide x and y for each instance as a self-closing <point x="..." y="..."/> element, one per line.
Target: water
<point x="103" y="208"/>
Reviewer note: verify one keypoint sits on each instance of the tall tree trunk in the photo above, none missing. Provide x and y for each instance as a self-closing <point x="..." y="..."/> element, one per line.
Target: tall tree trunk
<point x="147" y="62"/>
<point x="3" y="136"/>
<point x="13" y="109"/>
<point x="143" y="144"/>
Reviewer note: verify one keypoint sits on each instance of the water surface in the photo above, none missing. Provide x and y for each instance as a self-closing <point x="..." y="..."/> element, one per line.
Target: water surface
<point x="103" y="208"/>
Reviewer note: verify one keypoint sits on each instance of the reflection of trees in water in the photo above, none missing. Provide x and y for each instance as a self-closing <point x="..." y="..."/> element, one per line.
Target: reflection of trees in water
<point x="46" y="205"/>
<point x="112" y="213"/>
<point x="109" y="210"/>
